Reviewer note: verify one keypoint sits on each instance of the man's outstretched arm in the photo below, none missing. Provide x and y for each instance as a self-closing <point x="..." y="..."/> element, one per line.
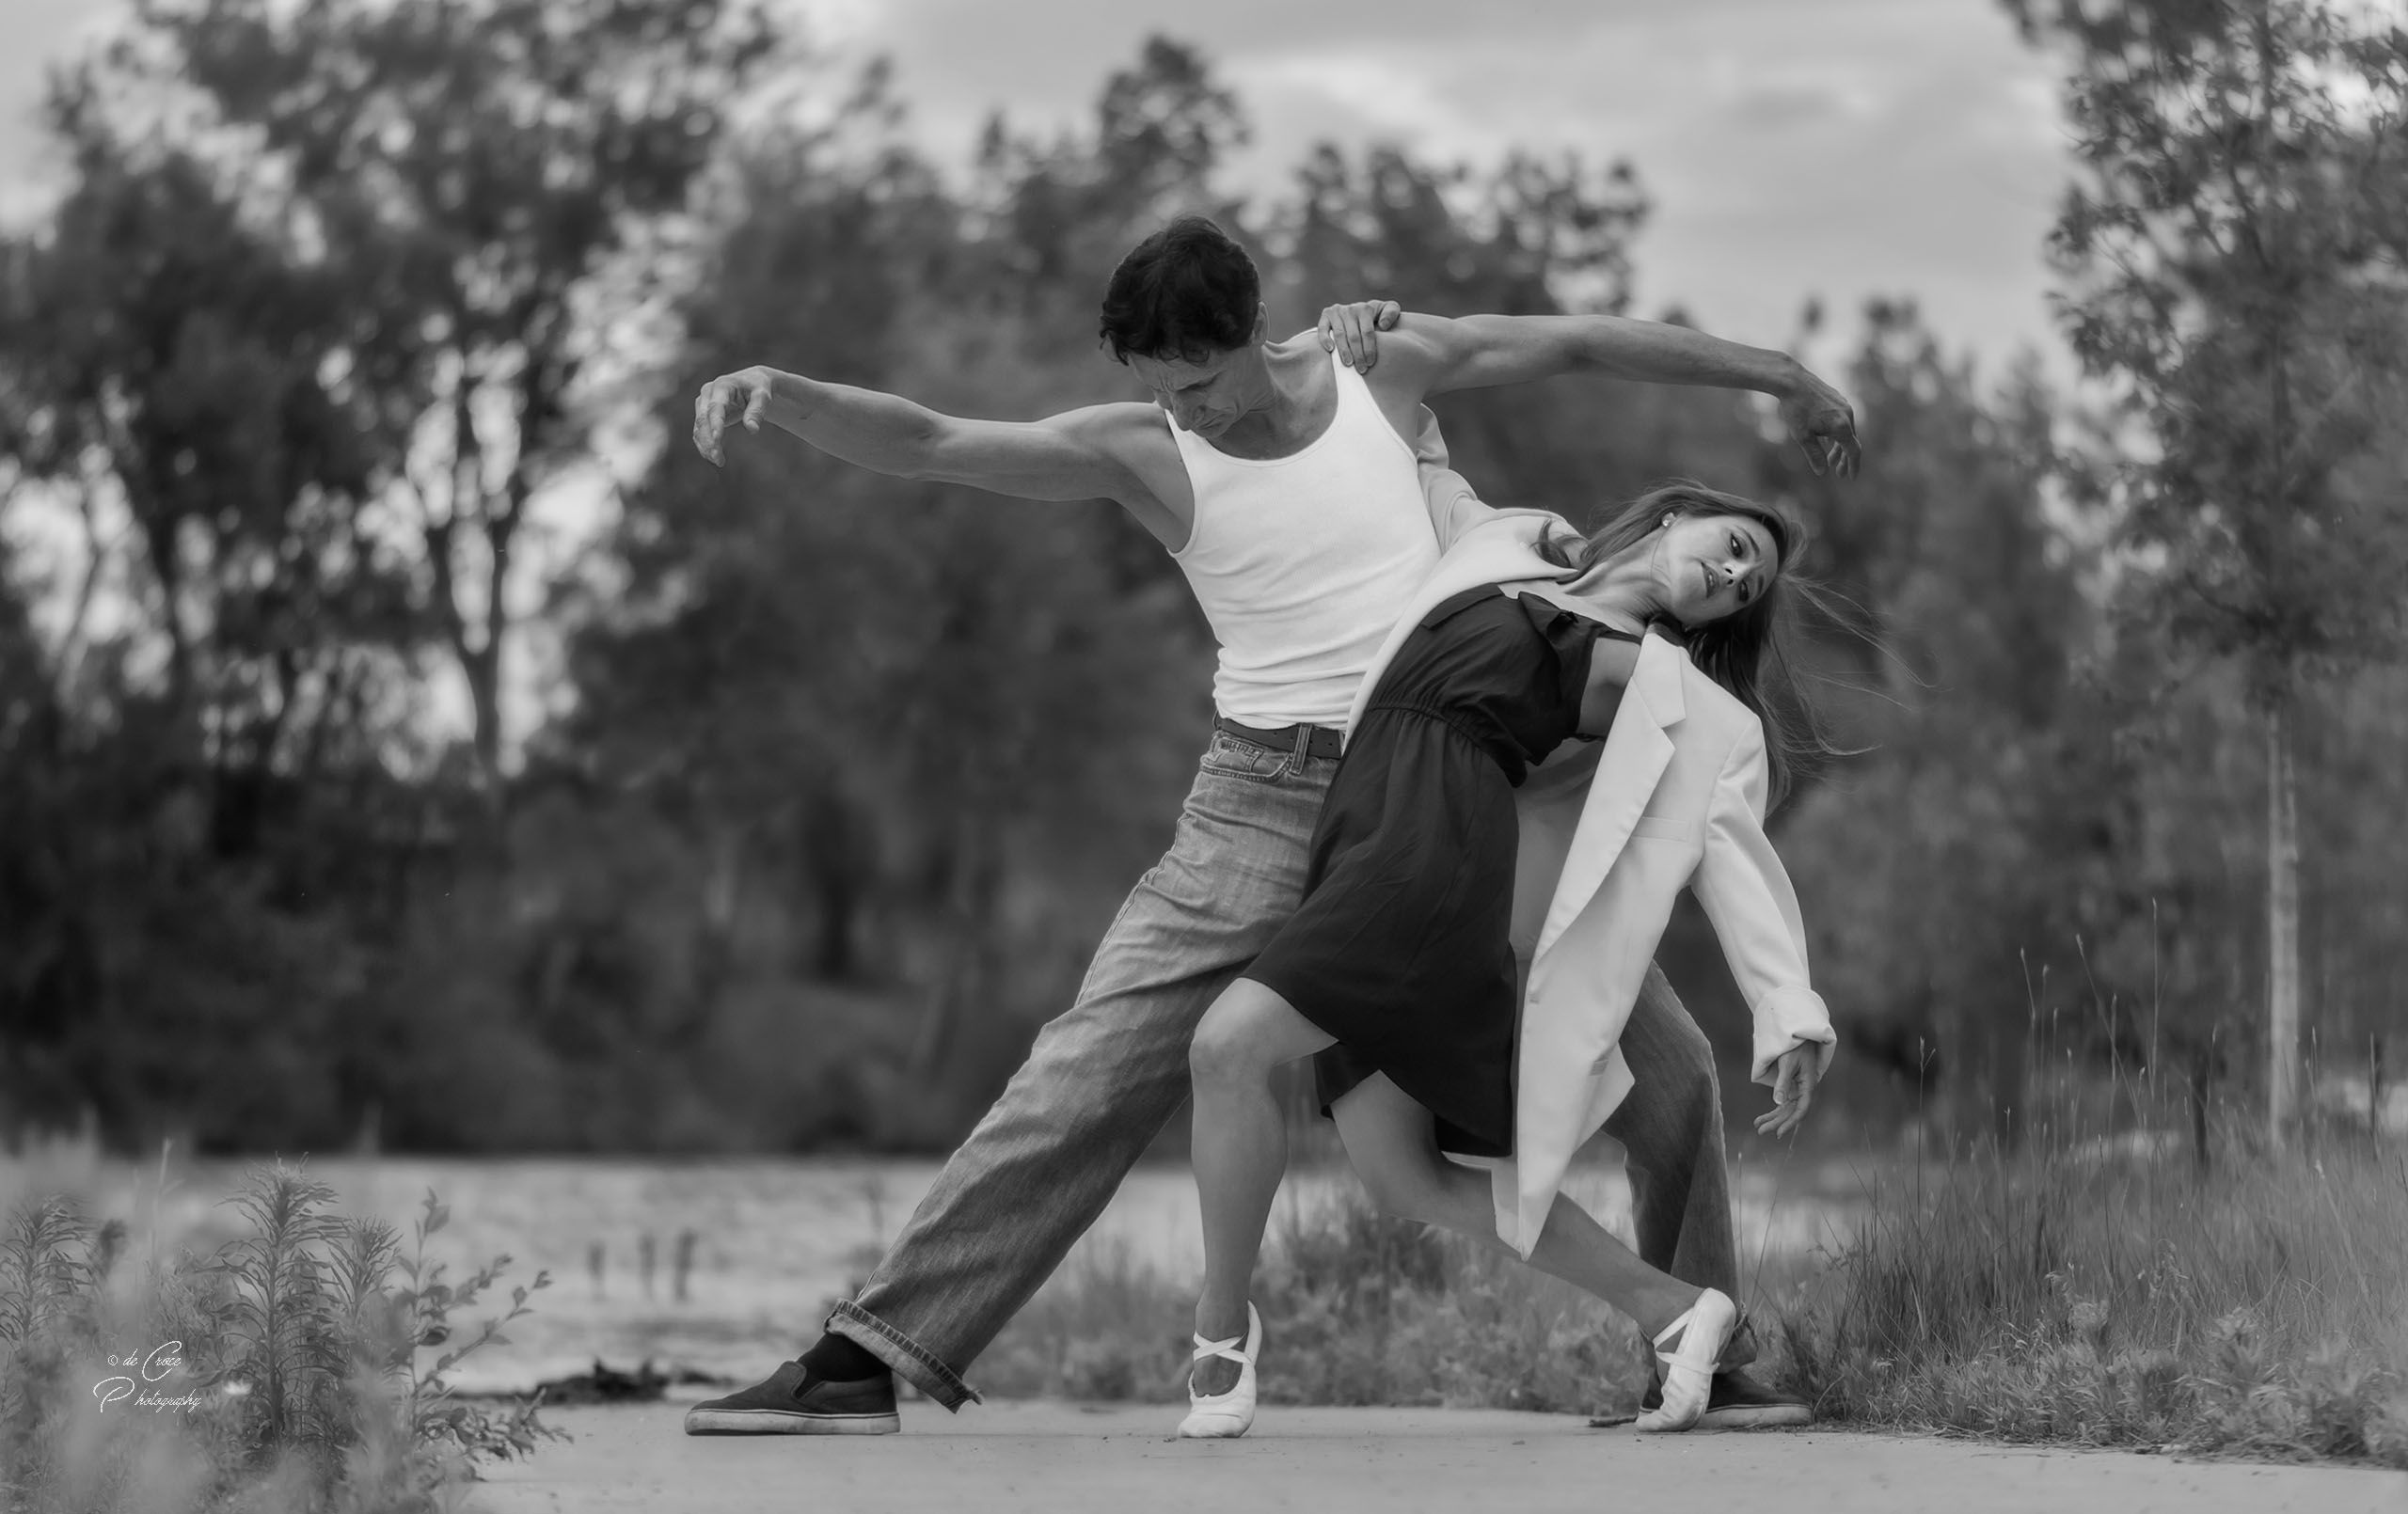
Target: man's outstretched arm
<point x="1434" y="354"/>
<point x="1068" y="456"/>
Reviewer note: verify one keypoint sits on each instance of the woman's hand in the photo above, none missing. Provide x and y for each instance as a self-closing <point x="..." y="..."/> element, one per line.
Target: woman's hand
<point x="1792" y="1088"/>
<point x="1353" y="327"/>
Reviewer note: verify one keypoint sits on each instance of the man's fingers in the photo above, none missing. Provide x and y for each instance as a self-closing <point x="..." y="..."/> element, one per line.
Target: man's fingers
<point x="1390" y="313"/>
<point x="755" y="408"/>
<point x="702" y="421"/>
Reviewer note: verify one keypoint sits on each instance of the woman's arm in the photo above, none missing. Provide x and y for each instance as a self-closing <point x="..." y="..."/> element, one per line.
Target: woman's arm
<point x="1747" y="894"/>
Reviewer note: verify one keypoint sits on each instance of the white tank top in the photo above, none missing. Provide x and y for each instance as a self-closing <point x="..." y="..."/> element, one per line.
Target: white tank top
<point x="1303" y="563"/>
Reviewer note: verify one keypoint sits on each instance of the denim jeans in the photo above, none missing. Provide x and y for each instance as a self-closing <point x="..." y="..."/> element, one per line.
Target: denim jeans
<point x="1105" y="1077"/>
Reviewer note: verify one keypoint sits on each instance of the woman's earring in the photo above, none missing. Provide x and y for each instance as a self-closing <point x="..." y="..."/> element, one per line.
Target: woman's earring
<point x="1668" y="521"/>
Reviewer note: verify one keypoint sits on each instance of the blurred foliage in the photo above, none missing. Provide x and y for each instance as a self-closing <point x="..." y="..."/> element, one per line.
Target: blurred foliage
<point x="838" y="777"/>
<point x="283" y="1372"/>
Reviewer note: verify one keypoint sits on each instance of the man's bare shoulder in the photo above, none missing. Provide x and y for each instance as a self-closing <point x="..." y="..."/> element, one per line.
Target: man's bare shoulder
<point x="1136" y="436"/>
<point x="1115" y="424"/>
<point x="1419" y="331"/>
<point x="1410" y="356"/>
<point x="1135" y="433"/>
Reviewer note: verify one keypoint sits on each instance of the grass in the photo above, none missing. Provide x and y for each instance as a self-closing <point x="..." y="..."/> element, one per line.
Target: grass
<point x="2256" y="1307"/>
<point x="279" y="1374"/>
<point x="2052" y="1296"/>
<point x="1357" y="1309"/>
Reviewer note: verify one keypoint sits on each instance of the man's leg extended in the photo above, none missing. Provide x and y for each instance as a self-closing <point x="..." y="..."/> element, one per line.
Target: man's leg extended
<point x="1100" y="1083"/>
<point x="1671" y="1128"/>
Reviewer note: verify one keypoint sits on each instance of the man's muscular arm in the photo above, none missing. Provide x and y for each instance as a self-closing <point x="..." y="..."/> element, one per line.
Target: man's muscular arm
<point x="1068" y="456"/>
<point x="1432" y="354"/>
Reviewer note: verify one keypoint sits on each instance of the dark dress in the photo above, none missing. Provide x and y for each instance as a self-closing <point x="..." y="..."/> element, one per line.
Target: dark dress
<point x="1399" y="948"/>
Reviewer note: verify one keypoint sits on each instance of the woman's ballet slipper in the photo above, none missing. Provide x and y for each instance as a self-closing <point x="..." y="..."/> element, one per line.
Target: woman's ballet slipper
<point x="1221" y="1415"/>
<point x="1688" y="1373"/>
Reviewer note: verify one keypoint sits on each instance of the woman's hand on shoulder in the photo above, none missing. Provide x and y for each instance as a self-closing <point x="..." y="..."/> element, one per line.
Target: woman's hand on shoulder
<point x="1352" y="331"/>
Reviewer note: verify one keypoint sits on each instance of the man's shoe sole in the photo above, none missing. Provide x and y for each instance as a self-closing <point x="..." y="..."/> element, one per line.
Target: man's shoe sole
<point x="1735" y="1417"/>
<point x="780" y="1422"/>
<point x="1755" y="1417"/>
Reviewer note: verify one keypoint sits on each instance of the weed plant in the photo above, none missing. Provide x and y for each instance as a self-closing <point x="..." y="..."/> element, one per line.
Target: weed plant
<point x="279" y="1374"/>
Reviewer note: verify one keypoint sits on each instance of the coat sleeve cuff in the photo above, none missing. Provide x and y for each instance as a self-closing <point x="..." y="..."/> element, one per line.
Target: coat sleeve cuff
<point x="1783" y="1017"/>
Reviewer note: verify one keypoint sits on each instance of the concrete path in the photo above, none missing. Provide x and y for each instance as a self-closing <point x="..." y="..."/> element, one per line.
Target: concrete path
<point x="1120" y="1459"/>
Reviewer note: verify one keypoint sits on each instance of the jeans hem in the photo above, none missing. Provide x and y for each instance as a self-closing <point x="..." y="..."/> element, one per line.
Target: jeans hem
<point x="907" y="1357"/>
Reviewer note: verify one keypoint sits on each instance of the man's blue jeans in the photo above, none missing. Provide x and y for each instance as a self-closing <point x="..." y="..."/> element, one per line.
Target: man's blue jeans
<point x="1106" y="1075"/>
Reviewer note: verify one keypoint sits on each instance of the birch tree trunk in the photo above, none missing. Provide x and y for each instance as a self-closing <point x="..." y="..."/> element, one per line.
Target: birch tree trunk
<point x="2282" y="923"/>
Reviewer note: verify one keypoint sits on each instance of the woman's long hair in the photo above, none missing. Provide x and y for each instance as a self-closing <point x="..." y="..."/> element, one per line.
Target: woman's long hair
<point x="1743" y="651"/>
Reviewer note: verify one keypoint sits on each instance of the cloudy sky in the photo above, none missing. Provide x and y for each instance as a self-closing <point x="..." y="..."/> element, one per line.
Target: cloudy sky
<point x="1792" y="147"/>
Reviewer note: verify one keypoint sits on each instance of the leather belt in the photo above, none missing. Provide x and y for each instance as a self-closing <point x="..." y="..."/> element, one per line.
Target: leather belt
<point x="1322" y="742"/>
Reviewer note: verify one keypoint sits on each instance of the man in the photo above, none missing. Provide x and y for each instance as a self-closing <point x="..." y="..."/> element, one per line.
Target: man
<point x="1287" y="488"/>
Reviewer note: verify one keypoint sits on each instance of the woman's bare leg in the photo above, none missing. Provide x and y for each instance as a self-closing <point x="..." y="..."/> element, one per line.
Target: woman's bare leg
<point x="1240" y="1149"/>
<point x="1391" y="1141"/>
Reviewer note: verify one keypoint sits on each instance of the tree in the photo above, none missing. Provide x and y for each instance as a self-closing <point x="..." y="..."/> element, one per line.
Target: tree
<point x="473" y="166"/>
<point x="165" y="362"/>
<point x="196" y="754"/>
<point x="938" y="716"/>
<point x="1968" y="835"/>
<point x="2232" y="262"/>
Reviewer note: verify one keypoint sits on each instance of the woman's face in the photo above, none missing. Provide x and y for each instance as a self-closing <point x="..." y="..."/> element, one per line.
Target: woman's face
<point x="1710" y="566"/>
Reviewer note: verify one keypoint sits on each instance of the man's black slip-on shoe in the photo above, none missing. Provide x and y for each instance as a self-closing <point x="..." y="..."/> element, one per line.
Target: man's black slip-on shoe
<point x="793" y="1402"/>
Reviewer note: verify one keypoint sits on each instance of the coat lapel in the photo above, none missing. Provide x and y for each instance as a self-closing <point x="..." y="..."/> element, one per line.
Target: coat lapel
<point x="1638" y="749"/>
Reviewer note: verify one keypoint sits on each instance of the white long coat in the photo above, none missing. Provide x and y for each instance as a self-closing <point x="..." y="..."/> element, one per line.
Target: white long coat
<point x="1612" y="831"/>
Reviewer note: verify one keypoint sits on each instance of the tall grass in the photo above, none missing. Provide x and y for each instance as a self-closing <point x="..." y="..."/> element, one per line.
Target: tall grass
<point x="2082" y="1291"/>
<point x="2074" y="1295"/>
<point x="279" y="1372"/>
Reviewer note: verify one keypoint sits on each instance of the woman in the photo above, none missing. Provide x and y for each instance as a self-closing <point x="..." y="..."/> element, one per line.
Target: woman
<point x="1399" y="966"/>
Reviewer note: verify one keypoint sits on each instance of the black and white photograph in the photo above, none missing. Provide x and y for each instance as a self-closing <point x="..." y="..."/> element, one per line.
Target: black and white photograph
<point x="1087" y="755"/>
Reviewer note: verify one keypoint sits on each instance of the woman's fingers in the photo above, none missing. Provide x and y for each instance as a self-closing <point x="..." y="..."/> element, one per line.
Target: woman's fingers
<point x="1793" y="1092"/>
<point x="1370" y="318"/>
<point x="1341" y="332"/>
<point x="1351" y="331"/>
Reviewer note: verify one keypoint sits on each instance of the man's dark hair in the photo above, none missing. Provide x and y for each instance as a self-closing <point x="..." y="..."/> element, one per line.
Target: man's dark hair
<point x="1187" y="292"/>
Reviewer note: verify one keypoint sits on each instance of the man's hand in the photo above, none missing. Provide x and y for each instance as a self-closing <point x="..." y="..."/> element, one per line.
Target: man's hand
<point x="1792" y="1088"/>
<point x="1352" y="327"/>
<point x="1822" y="424"/>
<point x="743" y="394"/>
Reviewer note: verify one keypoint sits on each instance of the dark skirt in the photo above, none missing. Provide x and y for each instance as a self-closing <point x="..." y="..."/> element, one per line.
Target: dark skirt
<point x="1400" y="948"/>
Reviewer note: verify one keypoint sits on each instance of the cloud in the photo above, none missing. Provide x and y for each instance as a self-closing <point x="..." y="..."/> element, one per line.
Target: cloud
<point x="1837" y="148"/>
